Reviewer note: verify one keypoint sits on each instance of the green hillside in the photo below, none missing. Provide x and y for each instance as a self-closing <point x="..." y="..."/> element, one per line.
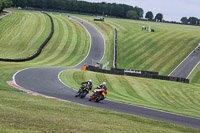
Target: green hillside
<point x="20" y="112"/>
<point x="22" y="33"/>
<point x="64" y="49"/>
<point x="25" y="113"/>
<point x="159" y="51"/>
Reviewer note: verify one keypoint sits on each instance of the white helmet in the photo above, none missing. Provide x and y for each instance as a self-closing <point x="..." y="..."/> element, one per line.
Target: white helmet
<point x="90" y="80"/>
<point x="104" y="83"/>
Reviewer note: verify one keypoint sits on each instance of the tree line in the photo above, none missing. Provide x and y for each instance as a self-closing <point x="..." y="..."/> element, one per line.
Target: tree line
<point x="5" y="4"/>
<point x="190" y="20"/>
<point x="103" y="8"/>
<point x="158" y="18"/>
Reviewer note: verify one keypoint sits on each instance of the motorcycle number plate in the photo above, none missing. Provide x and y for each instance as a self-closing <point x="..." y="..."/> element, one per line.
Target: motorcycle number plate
<point x="103" y="94"/>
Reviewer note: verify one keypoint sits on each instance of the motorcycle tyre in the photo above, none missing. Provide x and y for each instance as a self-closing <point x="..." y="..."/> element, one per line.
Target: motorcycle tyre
<point x="83" y="94"/>
<point x="97" y="99"/>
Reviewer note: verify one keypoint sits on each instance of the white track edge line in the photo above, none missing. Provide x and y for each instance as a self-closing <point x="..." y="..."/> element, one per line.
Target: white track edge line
<point x="133" y="104"/>
<point x="69" y="87"/>
<point x="72" y="66"/>
<point x="90" y="44"/>
<point x="63" y="82"/>
<point x="193" y="69"/>
<point x="90" y="38"/>
<point x="40" y="93"/>
<point x="106" y="99"/>
<point x="182" y="61"/>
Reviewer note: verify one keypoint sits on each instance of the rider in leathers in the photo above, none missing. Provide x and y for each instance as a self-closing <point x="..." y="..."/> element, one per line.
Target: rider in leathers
<point x="101" y="86"/>
<point x="88" y="85"/>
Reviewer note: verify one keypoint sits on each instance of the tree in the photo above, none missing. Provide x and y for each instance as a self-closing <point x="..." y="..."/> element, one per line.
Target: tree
<point x="103" y="8"/>
<point x="184" y="20"/>
<point x="159" y="17"/>
<point x="0" y="6"/>
<point x="193" y="20"/>
<point x="132" y="15"/>
<point x="5" y="4"/>
<point x="149" y="15"/>
<point x="139" y="11"/>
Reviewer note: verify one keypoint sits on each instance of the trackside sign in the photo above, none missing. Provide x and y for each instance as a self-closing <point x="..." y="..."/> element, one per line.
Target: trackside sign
<point x="132" y="71"/>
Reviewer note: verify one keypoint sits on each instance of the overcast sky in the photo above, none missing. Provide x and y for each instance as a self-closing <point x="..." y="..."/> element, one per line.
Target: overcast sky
<point x="172" y="10"/>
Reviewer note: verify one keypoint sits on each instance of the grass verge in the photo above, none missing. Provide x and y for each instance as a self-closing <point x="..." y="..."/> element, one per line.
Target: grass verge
<point x="25" y="113"/>
<point x="169" y="96"/>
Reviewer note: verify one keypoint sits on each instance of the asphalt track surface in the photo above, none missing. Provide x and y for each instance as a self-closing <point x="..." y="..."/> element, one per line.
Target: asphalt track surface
<point x="185" y="68"/>
<point x="46" y="81"/>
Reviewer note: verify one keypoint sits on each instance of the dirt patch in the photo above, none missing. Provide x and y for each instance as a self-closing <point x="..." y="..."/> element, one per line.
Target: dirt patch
<point x="4" y="14"/>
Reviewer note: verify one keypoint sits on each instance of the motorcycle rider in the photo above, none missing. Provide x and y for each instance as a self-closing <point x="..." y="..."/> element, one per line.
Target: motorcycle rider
<point x="88" y="85"/>
<point x="101" y="86"/>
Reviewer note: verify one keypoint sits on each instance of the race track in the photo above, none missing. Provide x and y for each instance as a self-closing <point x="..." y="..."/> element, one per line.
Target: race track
<point x="184" y="69"/>
<point x="45" y="81"/>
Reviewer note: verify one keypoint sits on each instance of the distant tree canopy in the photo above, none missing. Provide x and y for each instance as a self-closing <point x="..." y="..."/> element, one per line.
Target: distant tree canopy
<point x="184" y="20"/>
<point x="1" y="6"/>
<point x="5" y="4"/>
<point x="132" y="15"/>
<point x="159" y="17"/>
<point x="118" y="10"/>
<point x="193" y="20"/>
<point x="190" y="20"/>
<point x="149" y="15"/>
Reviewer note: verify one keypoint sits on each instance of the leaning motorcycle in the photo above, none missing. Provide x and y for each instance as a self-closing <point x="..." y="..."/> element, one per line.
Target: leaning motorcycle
<point x="82" y="92"/>
<point x="98" y="95"/>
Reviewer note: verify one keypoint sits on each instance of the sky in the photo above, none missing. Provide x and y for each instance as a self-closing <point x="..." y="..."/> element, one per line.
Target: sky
<point x="172" y="10"/>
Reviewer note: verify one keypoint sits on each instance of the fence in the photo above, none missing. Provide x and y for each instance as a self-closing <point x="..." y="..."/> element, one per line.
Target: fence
<point x="115" y="49"/>
<point x="38" y="51"/>
<point x="137" y="73"/>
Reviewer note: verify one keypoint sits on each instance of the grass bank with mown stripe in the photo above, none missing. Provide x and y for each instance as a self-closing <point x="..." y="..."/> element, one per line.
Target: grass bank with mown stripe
<point x="163" y="95"/>
<point x="160" y="51"/>
<point x="25" y="113"/>
<point x="22" y="33"/>
<point x="64" y="50"/>
<point x="194" y="77"/>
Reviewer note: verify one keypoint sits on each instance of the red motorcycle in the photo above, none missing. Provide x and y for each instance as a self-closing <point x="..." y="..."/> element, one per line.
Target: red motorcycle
<point x="98" y="95"/>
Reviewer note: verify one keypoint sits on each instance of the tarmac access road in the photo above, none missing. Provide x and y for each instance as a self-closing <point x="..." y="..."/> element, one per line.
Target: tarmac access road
<point x="185" y="68"/>
<point x="46" y="81"/>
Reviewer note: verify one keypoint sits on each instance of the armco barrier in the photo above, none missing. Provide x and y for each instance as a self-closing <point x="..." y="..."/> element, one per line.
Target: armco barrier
<point x="137" y="73"/>
<point x="39" y="50"/>
<point x="115" y="49"/>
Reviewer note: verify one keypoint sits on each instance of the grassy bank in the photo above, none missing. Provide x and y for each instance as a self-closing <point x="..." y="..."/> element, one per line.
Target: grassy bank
<point x="22" y="33"/>
<point x="25" y="113"/>
<point x="69" y="45"/>
<point x="163" y="95"/>
<point x="64" y="49"/>
<point x="160" y="51"/>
